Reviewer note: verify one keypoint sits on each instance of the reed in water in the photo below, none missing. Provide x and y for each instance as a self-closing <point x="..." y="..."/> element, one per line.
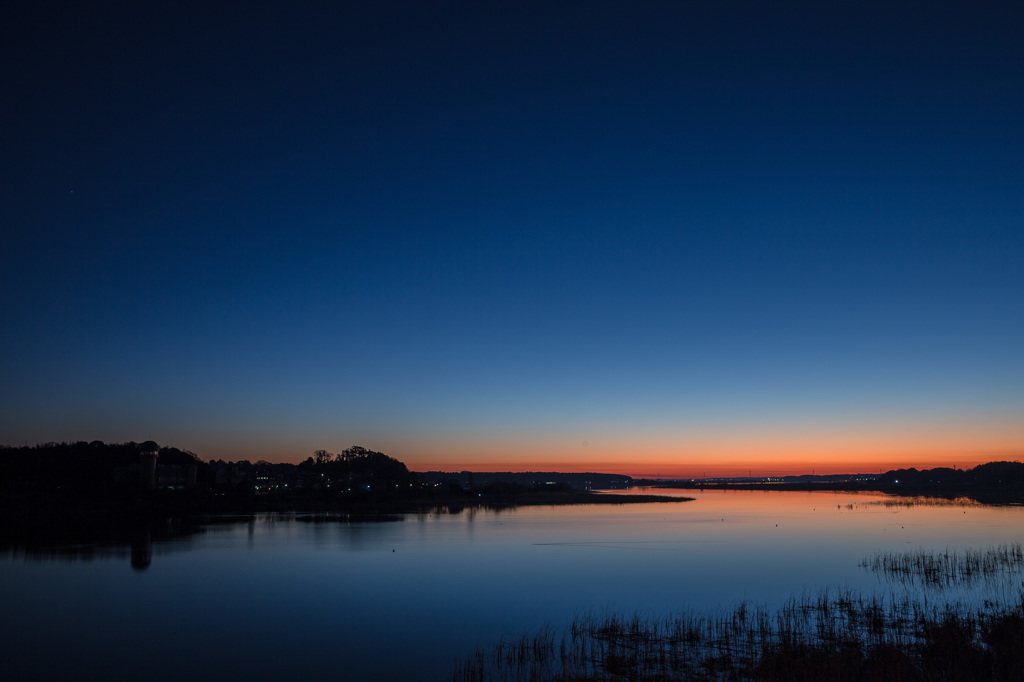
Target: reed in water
<point x="951" y="568"/>
<point x="835" y="635"/>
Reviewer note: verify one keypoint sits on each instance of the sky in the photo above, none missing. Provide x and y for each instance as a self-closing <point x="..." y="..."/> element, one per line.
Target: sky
<point x="651" y="238"/>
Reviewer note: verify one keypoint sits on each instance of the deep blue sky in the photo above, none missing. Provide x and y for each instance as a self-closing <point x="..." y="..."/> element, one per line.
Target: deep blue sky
<point x="515" y="233"/>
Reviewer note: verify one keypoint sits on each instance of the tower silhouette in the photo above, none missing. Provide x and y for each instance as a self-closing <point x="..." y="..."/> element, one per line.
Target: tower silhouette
<point x="148" y="452"/>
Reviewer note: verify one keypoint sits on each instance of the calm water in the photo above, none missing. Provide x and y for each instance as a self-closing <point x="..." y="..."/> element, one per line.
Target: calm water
<point x="278" y="598"/>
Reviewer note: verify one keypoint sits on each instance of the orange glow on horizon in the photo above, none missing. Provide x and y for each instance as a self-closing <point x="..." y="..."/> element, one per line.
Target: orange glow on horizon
<point x="740" y="450"/>
<point x="713" y="469"/>
<point x="751" y="454"/>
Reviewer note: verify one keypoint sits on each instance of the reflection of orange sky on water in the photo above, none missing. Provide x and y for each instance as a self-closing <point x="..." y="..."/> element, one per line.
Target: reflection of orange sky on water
<point x="776" y="516"/>
<point x="758" y="454"/>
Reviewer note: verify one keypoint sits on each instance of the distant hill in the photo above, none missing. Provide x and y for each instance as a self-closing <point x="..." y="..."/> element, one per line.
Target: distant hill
<point x="996" y="482"/>
<point x="994" y="475"/>
<point x="67" y="481"/>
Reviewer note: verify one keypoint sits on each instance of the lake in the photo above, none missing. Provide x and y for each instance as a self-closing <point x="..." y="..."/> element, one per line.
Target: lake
<point x="407" y="597"/>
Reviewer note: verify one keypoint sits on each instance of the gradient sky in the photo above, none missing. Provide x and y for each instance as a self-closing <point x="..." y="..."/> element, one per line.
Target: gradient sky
<point x="651" y="238"/>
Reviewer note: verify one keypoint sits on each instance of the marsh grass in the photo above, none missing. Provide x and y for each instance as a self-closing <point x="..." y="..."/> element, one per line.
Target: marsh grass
<point x="835" y="635"/>
<point x="951" y="568"/>
<point x="923" y="501"/>
<point x="911" y="502"/>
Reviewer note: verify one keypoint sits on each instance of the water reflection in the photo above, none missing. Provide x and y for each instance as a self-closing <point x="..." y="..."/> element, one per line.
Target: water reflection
<point x="142" y="551"/>
<point x="138" y="540"/>
<point x="88" y="540"/>
<point x="406" y="596"/>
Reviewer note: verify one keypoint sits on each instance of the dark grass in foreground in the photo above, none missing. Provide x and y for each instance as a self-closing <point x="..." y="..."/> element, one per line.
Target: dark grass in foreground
<point x="834" y="636"/>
